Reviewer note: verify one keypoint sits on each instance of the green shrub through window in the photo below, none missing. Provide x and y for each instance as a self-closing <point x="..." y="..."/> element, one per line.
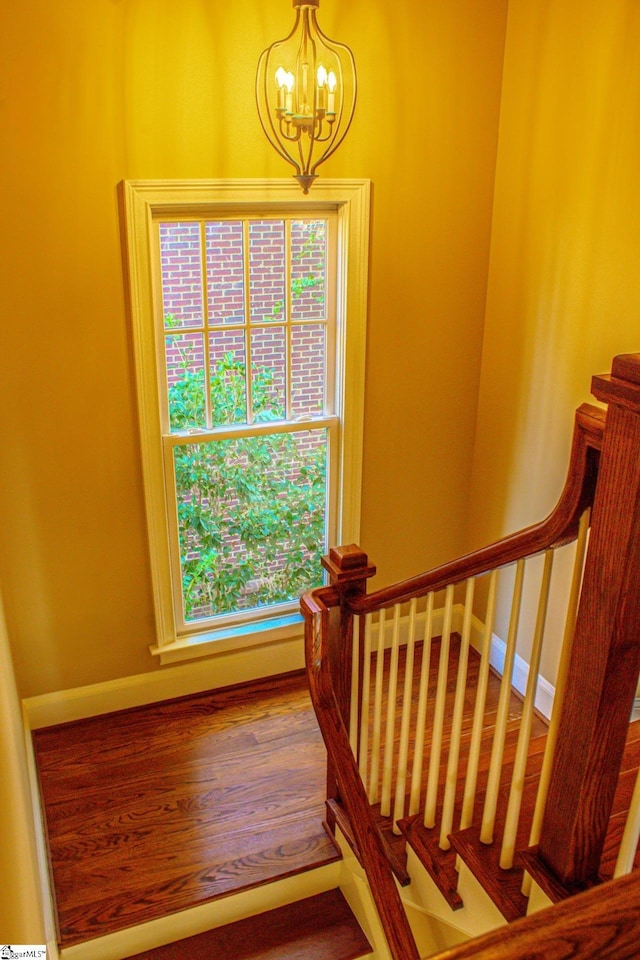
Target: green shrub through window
<point x="245" y="340"/>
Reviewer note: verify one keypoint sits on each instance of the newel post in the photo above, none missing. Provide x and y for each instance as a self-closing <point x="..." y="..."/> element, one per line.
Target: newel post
<point x="349" y="569"/>
<point x="605" y="660"/>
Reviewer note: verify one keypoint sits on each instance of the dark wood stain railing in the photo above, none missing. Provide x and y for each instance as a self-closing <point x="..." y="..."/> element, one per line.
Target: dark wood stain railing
<point x="561" y="526"/>
<point x="605" y="660"/>
<point x="604" y="473"/>
<point x="600" y="924"/>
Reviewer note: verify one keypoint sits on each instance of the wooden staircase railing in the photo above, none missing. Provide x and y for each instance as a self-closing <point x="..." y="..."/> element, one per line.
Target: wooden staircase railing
<point x="368" y="658"/>
<point x="600" y="924"/>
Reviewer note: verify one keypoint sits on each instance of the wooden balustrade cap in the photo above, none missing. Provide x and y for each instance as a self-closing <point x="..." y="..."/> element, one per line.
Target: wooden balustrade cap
<point x="622" y="385"/>
<point x="347" y="563"/>
<point x="626" y="366"/>
<point x="349" y="556"/>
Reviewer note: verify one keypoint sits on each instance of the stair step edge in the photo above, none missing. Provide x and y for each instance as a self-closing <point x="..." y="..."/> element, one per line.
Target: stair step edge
<point x="186" y="923"/>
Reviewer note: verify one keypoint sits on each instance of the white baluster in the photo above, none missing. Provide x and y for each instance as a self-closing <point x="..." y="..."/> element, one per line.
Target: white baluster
<point x="423" y="697"/>
<point x="392" y="693"/>
<point x="438" y="719"/>
<point x="561" y="683"/>
<point x="502" y="717"/>
<point x="456" y="726"/>
<point x="366" y="698"/>
<point x="407" y="704"/>
<point x="631" y="835"/>
<point x="471" y="780"/>
<point x="377" y="712"/>
<point x="355" y="675"/>
<point x="522" y="750"/>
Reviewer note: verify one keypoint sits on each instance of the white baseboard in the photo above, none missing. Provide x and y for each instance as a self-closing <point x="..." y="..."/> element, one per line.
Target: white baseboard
<point x="240" y="666"/>
<point x="545" y="691"/>
<point x="165" y="683"/>
<point x="41" y="854"/>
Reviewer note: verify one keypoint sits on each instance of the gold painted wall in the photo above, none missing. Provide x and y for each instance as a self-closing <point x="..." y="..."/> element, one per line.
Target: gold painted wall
<point x="564" y="282"/>
<point x="96" y="91"/>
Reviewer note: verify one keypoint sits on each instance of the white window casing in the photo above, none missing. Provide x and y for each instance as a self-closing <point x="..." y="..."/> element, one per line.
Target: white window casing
<point x="143" y="204"/>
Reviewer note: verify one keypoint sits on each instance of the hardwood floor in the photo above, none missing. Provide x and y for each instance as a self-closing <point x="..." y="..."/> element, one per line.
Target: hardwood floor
<point x="156" y="809"/>
<point x="317" y="928"/>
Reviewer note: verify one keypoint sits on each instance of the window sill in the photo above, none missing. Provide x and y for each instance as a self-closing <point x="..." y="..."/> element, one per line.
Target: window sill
<point x="231" y="639"/>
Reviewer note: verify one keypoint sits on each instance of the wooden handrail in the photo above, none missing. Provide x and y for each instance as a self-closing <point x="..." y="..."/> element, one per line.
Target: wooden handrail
<point x="604" y="473"/>
<point x="605" y="658"/>
<point x="559" y="527"/>
<point x="600" y="924"/>
<point x="347" y="778"/>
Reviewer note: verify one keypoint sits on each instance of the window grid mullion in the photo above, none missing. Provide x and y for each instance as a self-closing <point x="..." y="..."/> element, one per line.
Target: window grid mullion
<point x="205" y="323"/>
<point x="247" y="316"/>
<point x="287" y="318"/>
<point x="241" y="430"/>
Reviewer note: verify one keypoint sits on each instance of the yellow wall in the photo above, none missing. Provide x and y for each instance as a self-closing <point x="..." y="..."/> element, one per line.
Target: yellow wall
<point x="564" y="281"/>
<point x="95" y="92"/>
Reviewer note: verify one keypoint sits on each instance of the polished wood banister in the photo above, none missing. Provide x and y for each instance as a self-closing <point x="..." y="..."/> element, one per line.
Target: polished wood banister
<point x="605" y="657"/>
<point x="599" y="924"/>
<point x="344" y="770"/>
<point x="561" y="526"/>
<point x="603" y="474"/>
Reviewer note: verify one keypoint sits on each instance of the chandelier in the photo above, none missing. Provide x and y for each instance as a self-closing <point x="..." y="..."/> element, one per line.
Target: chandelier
<point x="306" y="94"/>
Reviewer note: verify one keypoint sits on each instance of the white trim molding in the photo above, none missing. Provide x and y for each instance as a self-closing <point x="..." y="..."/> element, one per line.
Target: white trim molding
<point x="235" y="663"/>
<point x="226" y="669"/>
<point x="143" y="203"/>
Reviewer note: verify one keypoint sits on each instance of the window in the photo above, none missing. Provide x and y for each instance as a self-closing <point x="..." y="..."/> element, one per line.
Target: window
<point x="248" y="321"/>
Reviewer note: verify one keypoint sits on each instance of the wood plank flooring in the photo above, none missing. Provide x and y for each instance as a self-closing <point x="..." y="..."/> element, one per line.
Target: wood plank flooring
<point x="156" y="809"/>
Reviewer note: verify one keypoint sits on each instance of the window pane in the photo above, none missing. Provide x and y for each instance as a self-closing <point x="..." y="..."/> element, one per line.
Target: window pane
<point x="307" y="369"/>
<point x="266" y="270"/>
<point x="225" y="272"/>
<point x="181" y="266"/>
<point x="251" y="518"/>
<point x="185" y="380"/>
<point x="228" y="377"/>
<point x="269" y="373"/>
<point x="308" y="269"/>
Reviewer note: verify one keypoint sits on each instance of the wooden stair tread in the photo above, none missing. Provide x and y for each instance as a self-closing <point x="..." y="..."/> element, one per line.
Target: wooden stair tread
<point x="321" y="927"/>
<point x="275" y="853"/>
<point x="395" y="844"/>
<point x="503" y="886"/>
<point x="441" y="864"/>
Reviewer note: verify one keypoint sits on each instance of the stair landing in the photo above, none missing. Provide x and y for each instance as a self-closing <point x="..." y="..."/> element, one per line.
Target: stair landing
<point x="161" y="808"/>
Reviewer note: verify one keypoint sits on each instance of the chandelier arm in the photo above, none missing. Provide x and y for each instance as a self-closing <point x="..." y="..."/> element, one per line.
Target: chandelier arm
<point x="274" y="140"/>
<point x="290" y="138"/>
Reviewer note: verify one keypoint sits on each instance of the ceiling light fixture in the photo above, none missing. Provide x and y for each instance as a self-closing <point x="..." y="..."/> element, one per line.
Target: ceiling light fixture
<point x="306" y="93"/>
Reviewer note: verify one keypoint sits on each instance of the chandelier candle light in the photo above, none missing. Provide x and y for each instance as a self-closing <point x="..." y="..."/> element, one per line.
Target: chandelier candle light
<point x="306" y="93"/>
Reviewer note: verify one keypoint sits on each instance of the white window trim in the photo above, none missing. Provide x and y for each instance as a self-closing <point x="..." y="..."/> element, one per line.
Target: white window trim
<point x="142" y="201"/>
